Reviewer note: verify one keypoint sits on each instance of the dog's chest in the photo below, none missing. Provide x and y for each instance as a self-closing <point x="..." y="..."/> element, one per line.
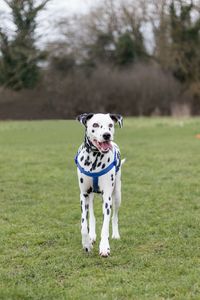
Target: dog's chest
<point x="96" y="161"/>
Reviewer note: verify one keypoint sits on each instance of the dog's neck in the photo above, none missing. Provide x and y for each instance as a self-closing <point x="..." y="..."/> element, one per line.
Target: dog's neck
<point x="89" y="145"/>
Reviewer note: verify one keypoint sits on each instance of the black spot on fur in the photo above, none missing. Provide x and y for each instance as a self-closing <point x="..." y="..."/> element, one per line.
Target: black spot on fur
<point x="94" y="153"/>
<point x="106" y="205"/>
<point x="87" y="163"/>
<point x="99" y="164"/>
<point x="86" y="249"/>
<point x="112" y="177"/>
<point x="102" y="192"/>
<point x="110" y="206"/>
<point x="102" y="156"/>
<point x="82" y="157"/>
<point x="103" y="166"/>
<point x="85" y="195"/>
<point x="92" y="130"/>
<point x="108" y="159"/>
<point x="86" y="206"/>
<point x="112" y="184"/>
<point x="82" y="220"/>
<point x="95" y="162"/>
<point x="89" y="190"/>
<point x="108" y="211"/>
<point x="81" y="180"/>
<point x="109" y="198"/>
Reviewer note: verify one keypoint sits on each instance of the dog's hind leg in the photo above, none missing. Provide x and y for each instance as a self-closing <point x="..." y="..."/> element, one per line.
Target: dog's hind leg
<point x="116" y="205"/>
<point x="92" y="221"/>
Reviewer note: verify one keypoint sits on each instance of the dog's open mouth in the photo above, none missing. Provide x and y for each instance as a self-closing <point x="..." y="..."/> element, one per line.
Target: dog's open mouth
<point x="103" y="146"/>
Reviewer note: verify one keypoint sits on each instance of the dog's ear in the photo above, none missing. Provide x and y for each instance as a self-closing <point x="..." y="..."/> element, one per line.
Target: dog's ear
<point x="117" y="119"/>
<point x="83" y="118"/>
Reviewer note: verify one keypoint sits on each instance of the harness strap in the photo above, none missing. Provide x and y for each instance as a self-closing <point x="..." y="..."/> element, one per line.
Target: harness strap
<point x="96" y="175"/>
<point x="95" y="184"/>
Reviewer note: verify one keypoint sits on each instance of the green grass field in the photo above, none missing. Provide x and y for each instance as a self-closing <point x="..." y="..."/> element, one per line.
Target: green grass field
<point x="158" y="256"/>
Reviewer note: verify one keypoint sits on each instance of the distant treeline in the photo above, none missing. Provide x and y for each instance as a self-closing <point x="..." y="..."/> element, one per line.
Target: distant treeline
<point x="103" y="61"/>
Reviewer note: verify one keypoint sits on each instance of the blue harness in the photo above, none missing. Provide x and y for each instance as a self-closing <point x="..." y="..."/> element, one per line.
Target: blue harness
<point x="96" y="175"/>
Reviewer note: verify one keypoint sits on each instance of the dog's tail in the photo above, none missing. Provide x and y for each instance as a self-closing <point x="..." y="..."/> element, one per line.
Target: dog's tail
<point x="123" y="161"/>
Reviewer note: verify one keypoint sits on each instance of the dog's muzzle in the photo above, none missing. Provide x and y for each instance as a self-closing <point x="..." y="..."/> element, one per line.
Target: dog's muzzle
<point x="103" y="146"/>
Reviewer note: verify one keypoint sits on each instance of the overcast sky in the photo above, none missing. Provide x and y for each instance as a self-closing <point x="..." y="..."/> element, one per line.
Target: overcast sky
<point x="54" y="10"/>
<point x="62" y="6"/>
<point x="69" y="6"/>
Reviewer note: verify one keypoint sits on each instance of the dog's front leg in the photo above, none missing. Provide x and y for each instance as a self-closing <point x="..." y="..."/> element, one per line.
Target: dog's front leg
<point x="104" y="248"/>
<point x="86" y="241"/>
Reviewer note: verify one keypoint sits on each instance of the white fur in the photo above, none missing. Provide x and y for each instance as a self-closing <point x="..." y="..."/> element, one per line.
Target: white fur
<point x="109" y="185"/>
<point x="103" y="121"/>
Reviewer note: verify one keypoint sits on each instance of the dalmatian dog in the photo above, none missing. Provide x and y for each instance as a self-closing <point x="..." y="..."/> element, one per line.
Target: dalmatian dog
<point x="99" y="171"/>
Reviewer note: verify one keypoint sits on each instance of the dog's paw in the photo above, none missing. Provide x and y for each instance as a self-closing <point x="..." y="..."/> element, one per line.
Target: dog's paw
<point x="116" y="236"/>
<point x="93" y="238"/>
<point x="104" y="249"/>
<point x="87" y="244"/>
<point x="88" y="247"/>
<point x="105" y="253"/>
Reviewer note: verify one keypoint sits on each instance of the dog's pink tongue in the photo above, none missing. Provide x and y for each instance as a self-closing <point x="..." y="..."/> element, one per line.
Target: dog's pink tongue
<point x="106" y="145"/>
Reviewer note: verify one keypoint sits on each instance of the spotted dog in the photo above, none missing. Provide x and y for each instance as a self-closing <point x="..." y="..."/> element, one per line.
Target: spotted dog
<point x="99" y="171"/>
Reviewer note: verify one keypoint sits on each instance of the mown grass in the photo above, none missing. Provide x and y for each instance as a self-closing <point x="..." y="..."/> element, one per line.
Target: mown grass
<point x="158" y="256"/>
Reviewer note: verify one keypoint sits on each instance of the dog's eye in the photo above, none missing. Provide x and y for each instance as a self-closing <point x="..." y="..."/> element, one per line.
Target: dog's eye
<point x="110" y="125"/>
<point x="95" y="125"/>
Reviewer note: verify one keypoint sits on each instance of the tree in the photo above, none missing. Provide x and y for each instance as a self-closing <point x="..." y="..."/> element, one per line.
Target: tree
<point x="119" y="39"/>
<point x="19" y="55"/>
<point x="185" y="41"/>
<point x="109" y="34"/>
<point x="125" y="50"/>
<point x="159" y="20"/>
<point x="177" y="38"/>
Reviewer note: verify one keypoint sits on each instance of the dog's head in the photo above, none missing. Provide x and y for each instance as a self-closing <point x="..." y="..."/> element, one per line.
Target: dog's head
<point x="100" y="129"/>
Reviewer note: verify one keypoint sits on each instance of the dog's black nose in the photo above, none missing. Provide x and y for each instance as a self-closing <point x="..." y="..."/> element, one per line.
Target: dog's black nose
<point x="107" y="136"/>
